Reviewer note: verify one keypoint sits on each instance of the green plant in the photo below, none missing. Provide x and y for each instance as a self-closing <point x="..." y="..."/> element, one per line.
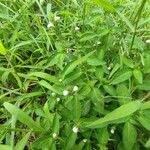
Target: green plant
<point x="74" y="75"/>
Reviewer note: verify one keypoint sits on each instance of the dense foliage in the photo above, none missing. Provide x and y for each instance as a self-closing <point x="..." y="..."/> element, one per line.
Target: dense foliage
<point x="75" y="74"/>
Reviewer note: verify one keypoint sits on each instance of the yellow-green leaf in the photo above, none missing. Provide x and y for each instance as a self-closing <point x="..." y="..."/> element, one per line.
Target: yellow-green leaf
<point x="2" y="49"/>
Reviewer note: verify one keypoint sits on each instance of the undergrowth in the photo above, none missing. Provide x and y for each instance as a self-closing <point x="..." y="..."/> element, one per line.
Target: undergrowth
<point x="75" y="74"/>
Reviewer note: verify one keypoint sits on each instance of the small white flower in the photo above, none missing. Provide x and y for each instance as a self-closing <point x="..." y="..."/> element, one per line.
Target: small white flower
<point x="56" y="18"/>
<point x="148" y="41"/>
<point x="58" y="99"/>
<point x="53" y="94"/>
<point x="75" y="88"/>
<point x="65" y="92"/>
<point x="50" y="24"/>
<point x="77" y="28"/>
<point x="75" y="129"/>
<point x="109" y="68"/>
<point x="84" y="140"/>
<point x="112" y="131"/>
<point x="98" y="42"/>
<point x="54" y="135"/>
<point x="60" y="80"/>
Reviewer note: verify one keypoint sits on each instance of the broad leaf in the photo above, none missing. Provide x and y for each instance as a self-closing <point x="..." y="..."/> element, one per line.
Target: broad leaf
<point x="119" y="113"/>
<point x="138" y="76"/>
<point x="145" y="122"/>
<point x="105" y="4"/>
<point x="123" y="77"/>
<point x="129" y="136"/>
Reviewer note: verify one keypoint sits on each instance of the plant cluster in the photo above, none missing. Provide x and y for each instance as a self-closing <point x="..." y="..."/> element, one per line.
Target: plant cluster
<point x="75" y="75"/>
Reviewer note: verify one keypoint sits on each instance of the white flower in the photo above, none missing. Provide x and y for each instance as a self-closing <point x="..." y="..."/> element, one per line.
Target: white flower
<point x="50" y="24"/>
<point x="60" y="80"/>
<point x="75" y="88"/>
<point x="148" y="41"/>
<point x="112" y="131"/>
<point x="77" y="28"/>
<point x="65" y="92"/>
<point x="58" y="99"/>
<point x="84" y="140"/>
<point x="56" y="18"/>
<point x="54" y="135"/>
<point x="109" y="68"/>
<point x="98" y="42"/>
<point x="75" y="129"/>
<point x="53" y="94"/>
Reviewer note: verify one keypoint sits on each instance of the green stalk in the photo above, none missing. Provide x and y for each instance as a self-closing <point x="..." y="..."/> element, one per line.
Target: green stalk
<point x="136" y="22"/>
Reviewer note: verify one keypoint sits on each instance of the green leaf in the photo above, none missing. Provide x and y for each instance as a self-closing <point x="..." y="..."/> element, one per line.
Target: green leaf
<point x="76" y="108"/>
<point x="22" y="143"/>
<point x="129" y="136"/>
<point x="145" y="122"/>
<point x="126" y="20"/>
<point x="138" y="76"/>
<point x="79" y="146"/>
<point x="105" y="4"/>
<point x="119" y="113"/>
<point x="5" y="147"/>
<point x="116" y="67"/>
<point x="56" y="123"/>
<point x="71" y="66"/>
<point x="97" y="99"/>
<point x="95" y="62"/>
<point x="145" y="86"/>
<point x="147" y="144"/>
<point x="71" y="141"/>
<point x="88" y="37"/>
<point x="123" y="94"/>
<point x="123" y="77"/>
<point x="45" y="76"/>
<point x="23" y="117"/>
<point x="110" y="89"/>
<point x="48" y="86"/>
<point x="102" y="136"/>
<point x="128" y="62"/>
<point x="145" y="105"/>
<point x="2" y="49"/>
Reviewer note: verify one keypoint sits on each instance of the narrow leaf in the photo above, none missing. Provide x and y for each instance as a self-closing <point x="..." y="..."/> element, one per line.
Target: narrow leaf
<point x="23" y="117"/>
<point x="43" y="75"/>
<point x="22" y="143"/>
<point x="2" y="49"/>
<point x="71" y="66"/>
<point x="48" y="86"/>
